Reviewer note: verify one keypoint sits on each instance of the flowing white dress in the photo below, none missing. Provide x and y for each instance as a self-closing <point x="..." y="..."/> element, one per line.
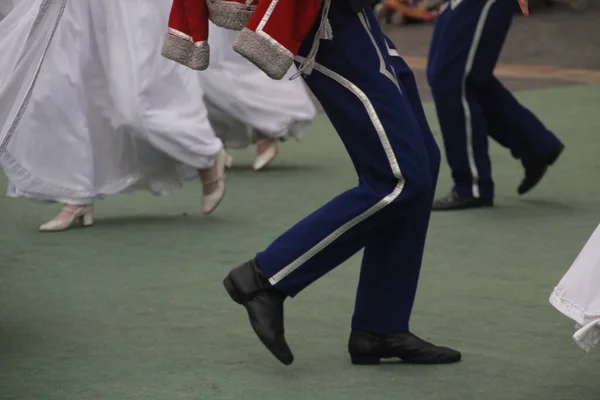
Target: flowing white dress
<point x="89" y="107"/>
<point x="5" y="7"/>
<point x="242" y="100"/>
<point x="577" y="295"/>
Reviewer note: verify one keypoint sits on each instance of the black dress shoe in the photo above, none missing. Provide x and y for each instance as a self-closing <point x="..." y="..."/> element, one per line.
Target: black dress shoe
<point x="455" y="201"/>
<point x="368" y="349"/>
<point x="534" y="172"/>
<point x="248" y="286"/>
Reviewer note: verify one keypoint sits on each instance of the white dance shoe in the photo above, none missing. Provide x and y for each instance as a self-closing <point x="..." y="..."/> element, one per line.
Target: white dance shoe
<point x="68" y="217"/>
<point x="213" y="182"/>
<point x="228" y="161"/>
<point x="266" y="155"/>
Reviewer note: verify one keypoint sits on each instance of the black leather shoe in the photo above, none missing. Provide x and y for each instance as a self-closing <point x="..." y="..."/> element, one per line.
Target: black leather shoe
<point x="368" y="349"/>
<point x="455" y="201"/>
<point x="247" y="285"/>
<point x="534" y="172"/>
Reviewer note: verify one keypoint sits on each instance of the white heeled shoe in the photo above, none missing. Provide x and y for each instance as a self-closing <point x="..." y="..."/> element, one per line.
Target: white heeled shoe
<point x="82" y="215"/>
<point x="265" y="157"/>
<point x="228" y="160"/>
<point x="214" y="176"/>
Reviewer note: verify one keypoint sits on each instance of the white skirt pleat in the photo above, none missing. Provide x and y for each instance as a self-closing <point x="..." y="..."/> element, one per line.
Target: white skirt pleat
<point x="577" y="295"/>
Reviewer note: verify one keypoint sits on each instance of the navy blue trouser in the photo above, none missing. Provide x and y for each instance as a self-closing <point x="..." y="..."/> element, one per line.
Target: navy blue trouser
<point x="371" y="98"/>
<point x="471" y="103"/>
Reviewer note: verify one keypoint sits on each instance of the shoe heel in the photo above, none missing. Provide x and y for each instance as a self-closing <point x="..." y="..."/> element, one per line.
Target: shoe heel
<point x="232" y="291"/>
<point x="557" y="155"/>
<point x="86" y="219"/>
<point x="365" y="360"/>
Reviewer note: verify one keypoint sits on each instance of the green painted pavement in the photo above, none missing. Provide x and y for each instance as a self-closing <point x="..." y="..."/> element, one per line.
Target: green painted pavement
<point x="133" y="308"/>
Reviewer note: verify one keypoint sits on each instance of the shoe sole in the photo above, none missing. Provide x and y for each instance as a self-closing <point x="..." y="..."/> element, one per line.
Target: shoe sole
<point x="377" y="360"/>
<point x="471" y="207"/>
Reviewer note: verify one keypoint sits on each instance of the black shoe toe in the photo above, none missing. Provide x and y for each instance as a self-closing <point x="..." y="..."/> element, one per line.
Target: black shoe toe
<point x="535" y="171"/>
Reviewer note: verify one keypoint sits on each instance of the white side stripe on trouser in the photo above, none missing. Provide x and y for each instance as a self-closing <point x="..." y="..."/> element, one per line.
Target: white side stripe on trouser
<point x="382" y="66"/>
<point x="467" y="110"/>
<point x="379" y="205"/>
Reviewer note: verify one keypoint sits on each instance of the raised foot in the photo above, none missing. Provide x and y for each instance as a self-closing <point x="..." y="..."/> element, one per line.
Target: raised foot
<point x="213" y="183"/>
<point x="266" y="152"/>
<point x="535" y="172"/>
<point x="247" y="285"/>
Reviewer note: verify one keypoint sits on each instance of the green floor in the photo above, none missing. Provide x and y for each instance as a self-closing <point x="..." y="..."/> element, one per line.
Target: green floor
<point x="133" y="308"/>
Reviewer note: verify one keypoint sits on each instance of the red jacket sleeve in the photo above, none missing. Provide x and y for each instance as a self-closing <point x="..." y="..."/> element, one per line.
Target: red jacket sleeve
<point x="275" y="32"/>
<point x="186" y="41"/>
<point x="272" y="31"/>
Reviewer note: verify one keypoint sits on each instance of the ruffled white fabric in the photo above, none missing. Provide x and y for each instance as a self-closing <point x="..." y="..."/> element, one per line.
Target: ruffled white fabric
<point x="89" y="107"/>
<point x="577" y="295"/>
<point x="242" y="100"/>
<point x="6" y="7"/>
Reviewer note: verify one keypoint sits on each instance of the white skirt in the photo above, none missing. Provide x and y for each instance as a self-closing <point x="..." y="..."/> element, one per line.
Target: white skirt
<point x="578" y="294"/>
<point x="242" y="100"/>
<point x="90" y="108"/>
<point x="5" y="7"/>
